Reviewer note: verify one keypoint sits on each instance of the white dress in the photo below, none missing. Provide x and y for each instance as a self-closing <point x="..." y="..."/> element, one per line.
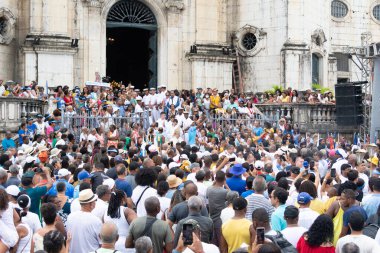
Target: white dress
<point x="24" y="244"/>
<point x="8" y="232"/>
<point x="123" y="228"/>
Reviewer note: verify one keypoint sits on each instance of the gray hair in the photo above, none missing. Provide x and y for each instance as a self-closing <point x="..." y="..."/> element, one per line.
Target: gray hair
<point x="195" y="203"/>
<point x="109" y="233"/>
<point x="3" y="173"/>
<point x="143" y="245"/>
<point x="102" y="190"/>
<point x="14" y="169"/>
<point x="151" y="204"/>
<point x="259" y="184"/>
<point x="231" y="196"/>
<point x="350" y="247"/>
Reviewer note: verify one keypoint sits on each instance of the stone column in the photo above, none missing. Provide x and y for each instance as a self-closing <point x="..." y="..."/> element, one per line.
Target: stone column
<point x="332" y="72"/>
<point x="35" y="25"/>
<point x="54" y="18"/>
<point x="92" y="44"/>
<point x="174" y="43"/>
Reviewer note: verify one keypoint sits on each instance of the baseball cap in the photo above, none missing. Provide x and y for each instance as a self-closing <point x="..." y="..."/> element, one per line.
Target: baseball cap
<point x="63" y="173"/>
<point x="109" y="182"/>
<point x="304" y="198"/>
<point x="259" y="164"/>
<point x="24" y="201"/>
<point x="83" y="175"/>
<point x="13" y="190"/>
<point x="291" y="212"/>
<point x="184" y="156"/>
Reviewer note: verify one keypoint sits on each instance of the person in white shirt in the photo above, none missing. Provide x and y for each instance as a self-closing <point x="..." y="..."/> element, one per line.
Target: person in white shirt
<point x="145" y="179"/>
<point x="341" y="159"/>
<point x="84" y="226"/>
<point x="366" y="244"/>
<point x="146" y="97"/>
<point x="40" y="125"/>
<point x="138" y="106"/>
<point x="306" y="216"/>
<point x="293" y="231"/>
<point x="361" y="168"/>
<point x="180" y="116"/>
<point x="109" y="235"/>
<point x="194" y="167"/>
<point x="104" y="194"/>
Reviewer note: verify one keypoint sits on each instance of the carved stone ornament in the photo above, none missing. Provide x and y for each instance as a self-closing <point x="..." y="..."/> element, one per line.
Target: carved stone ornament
<point x="94" y="3"/>
<point x="250" y="40"/>
<point x="318" y="37"/>
<point x="7" y="26"/>
<point x="174" y="4"/>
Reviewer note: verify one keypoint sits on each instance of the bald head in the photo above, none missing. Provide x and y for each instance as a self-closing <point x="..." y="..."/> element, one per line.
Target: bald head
<point x="109" y="233"/>
<point x="191" y="190"/>
<point x="152" y="206"/>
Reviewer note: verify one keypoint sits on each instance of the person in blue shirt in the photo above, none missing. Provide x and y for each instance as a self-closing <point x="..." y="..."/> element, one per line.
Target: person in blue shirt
<point x="349" y="204"/>
<point x="83" y="177"/>
<point x="278" y="199"/>
<point x="31" y="128"/>
<point x="8" y="142"/>
<point x="372" y="201"/>
<point x="63" y="176"/>
<point x="21" y="133"/>
<point x="257" y="130"/>
<point x="192" y="134"/>
<point x="121" y="183"/>
<point x="249" y="183"/>
<point x="236" y="183"/>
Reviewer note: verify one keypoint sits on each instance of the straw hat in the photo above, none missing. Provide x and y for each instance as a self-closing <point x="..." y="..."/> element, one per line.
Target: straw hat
<point x="173" y="181"/>
<point x="87" y="196"/>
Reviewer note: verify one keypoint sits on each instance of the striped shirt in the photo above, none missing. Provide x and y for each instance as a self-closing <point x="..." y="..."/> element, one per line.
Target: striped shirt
<point x="257" y="201"/>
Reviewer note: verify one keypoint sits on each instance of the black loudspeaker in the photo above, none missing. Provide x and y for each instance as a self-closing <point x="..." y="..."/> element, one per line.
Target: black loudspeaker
<point x="349" y="104"/>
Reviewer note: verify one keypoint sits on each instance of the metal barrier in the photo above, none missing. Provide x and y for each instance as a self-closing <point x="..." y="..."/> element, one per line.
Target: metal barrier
<point x="229" y="123"/>
<point x="74" y="123"/>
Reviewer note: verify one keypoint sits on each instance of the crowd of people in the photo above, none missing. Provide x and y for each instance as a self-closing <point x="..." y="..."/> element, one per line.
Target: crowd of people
<point x="181" y="184"/>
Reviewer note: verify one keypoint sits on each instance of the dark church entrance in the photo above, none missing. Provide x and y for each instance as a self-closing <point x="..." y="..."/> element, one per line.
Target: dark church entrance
<point x="132" y="44"/>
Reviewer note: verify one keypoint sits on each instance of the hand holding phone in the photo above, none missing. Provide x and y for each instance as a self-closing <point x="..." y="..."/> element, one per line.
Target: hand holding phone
<point x="232" y="159"/>
<point x="187" y="234"/>
<point x="260" y="233"/>
<point x="333" y="172"/>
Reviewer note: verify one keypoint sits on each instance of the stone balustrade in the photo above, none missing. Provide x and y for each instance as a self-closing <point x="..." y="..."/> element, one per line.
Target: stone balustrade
<point x="13" y="110"/>
<point x="308" y="117"/>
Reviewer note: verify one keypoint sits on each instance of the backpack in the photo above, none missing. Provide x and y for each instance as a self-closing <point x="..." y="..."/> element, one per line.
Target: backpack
<point x="371" y="229"/>
<point x="282" y="243"/>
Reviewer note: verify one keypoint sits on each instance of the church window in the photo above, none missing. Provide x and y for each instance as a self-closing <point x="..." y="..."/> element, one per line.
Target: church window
<point x="3" y="26"/>
<point x="338" y="9"/>
<point x="249" y="41"/>
<point x="376" y="12"/>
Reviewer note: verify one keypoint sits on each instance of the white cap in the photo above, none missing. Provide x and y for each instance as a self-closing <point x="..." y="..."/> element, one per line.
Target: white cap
<point x="173" y="164"/>
<point x="184" y="156"/>
<point x="259" y="164"/>
<point x="13" y="190"/>
<point x="63" y="173"/>
<point x="342" y="153"/>
<point x="152" y="148"/>
<point x="30" y="159"/>
<point x="110" y="183"/>
<point x="139" y="98"/>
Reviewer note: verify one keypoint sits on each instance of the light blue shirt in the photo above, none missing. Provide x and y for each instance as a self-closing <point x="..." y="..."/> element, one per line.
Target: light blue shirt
<point x="278" y="222"/>
<point x="371" y="204"/>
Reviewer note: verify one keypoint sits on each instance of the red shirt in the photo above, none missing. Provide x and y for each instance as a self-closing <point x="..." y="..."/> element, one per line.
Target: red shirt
<point x="68" y="100"/>
<point x="303" y="247"/>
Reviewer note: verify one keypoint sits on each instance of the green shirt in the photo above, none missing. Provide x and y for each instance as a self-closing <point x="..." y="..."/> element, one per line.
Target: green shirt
<point x="161" y="232"/>
<point x="35" y="194"/>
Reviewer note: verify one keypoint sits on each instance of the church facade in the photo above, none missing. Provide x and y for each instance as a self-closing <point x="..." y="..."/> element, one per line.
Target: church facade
<point x="245" y="44"/>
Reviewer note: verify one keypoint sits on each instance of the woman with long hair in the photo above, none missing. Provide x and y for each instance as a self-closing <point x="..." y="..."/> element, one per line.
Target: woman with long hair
<point x="120" y="215"/>
<point x="319" y="238"/>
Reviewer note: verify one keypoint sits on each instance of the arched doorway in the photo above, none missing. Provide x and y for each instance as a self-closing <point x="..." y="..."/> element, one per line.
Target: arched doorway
<point x="132" y="44"/>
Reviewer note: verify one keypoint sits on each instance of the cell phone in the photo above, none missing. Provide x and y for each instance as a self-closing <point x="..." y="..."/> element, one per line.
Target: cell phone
<point x="305" y="172"/>
<point x="260" y="232"/>
<point x="232" y="159"/>
<point x="333" y="172"/>
<point x="187" y="234"/>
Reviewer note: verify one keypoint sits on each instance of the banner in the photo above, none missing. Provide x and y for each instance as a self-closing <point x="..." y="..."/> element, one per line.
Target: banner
<point x="88" y="83"/>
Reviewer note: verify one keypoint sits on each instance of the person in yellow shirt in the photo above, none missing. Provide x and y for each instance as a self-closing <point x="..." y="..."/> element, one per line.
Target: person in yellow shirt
<point x="236" y="231"/>
<point x="214" y="99"/>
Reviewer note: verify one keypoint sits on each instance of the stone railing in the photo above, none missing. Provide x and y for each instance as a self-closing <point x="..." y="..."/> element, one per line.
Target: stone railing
<point x="14" y="110"/>
<point x="308" y="117"/>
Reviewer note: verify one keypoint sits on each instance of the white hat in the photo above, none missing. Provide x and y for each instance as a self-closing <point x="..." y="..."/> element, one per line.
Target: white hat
<point x="20" y="152"/>
<point x="87" y="196"/>
<point x="60" y="142"/>
<point x="162" y="86"/>
<point x="54" y="152"/>
<point x="173" y="164"/>
<point x="179" y="108"/>
<point x="152" y="148"/>
<point x="200" y="155"/>
<point x="110" y="183"/>
<point x="259" y="164"/>
<point x="152" y="89"/>
<point x="184" y="156"/>
<point x="293" y="150"/>
<point x="278" y="152"/>
<point x="138" y="98"/>
<point x="30" y="159"/>
<point x="63" y="173"/>
<point x="29" y="150"/>
<point x="206" y="153"/>
<point x="146" y="89"/>
<point x="13" y="190"/>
